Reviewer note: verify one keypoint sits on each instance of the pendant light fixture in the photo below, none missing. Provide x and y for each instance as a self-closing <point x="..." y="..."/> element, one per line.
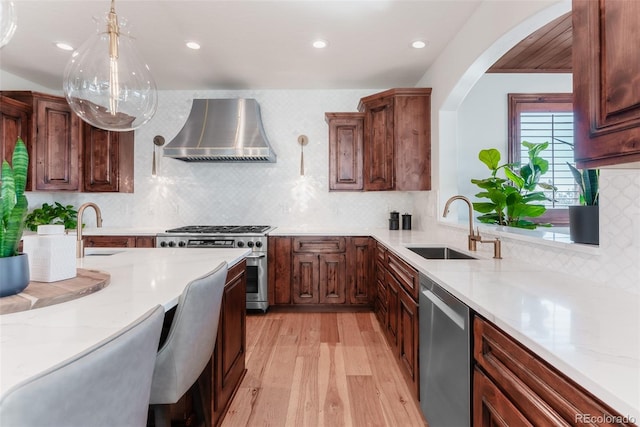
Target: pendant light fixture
<point x="107" y="83"/>
<point x="8" y="22"/>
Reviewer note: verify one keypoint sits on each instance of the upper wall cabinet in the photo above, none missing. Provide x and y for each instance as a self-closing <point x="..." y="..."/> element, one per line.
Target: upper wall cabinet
<point x="14" y="123"/>
<point x="345" y="151"/>
<point x="397" y="140"/>
<point x="606" y="73"/>
<point x="67" y="154"/>
<point x="387" y="146"/>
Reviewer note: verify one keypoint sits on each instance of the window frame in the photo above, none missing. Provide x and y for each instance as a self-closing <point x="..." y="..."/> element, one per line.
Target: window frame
<point x="543" y="102"/>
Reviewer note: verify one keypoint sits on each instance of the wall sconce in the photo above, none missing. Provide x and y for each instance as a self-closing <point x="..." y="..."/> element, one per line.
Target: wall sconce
<point x="302" y="140"/>
<point x="106" y="82"/>
<point x="8" y="22"/>
<point x="158" y="141"/>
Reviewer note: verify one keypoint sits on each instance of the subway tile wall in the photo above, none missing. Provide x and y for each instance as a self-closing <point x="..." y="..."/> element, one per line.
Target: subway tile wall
<point x="241" y="193"/>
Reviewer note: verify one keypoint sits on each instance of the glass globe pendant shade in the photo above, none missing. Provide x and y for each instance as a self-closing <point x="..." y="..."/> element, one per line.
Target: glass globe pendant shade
<point x="106" y="82"/>
<point x="8" y="22"/>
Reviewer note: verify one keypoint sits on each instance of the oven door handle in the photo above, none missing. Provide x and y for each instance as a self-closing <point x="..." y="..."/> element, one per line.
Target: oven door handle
<point x="256" y="256"/>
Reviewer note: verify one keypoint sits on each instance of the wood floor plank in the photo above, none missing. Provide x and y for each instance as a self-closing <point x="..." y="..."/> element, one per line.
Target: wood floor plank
<point x="298" y="374"/>
<point x="399" y="406"/>
<point x="356" y="362"/>
<point x="365" y="406"/>
<point x="333" y="388"/>
<point x="329" y="328"/>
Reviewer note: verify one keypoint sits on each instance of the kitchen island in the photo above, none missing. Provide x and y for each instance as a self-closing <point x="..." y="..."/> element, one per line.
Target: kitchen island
<point x="32" y="341"/>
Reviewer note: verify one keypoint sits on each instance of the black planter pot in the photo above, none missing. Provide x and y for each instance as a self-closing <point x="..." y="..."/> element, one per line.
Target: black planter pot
<point x="584" y="224"/>
<point x="14" y="274"/>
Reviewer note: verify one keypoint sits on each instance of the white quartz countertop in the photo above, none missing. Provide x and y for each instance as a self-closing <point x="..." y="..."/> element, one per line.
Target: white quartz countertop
<point x="32" y="341"/>
<point x="588" y="331"/>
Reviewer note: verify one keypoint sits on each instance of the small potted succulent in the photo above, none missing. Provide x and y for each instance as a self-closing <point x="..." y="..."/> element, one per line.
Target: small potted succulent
<point x="584" y="219"/>
<point x="14" y="266"/>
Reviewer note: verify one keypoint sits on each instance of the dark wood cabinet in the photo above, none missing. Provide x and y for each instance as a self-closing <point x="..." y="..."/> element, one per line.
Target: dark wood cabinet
<point x="345" y="151"/>
<point x="107" y="160"/>
<point x="513" y="386"/>
<point x="67" y="154"/>
<point x="228" y="362"/>
<point x="320" y="271"/>
<point x="606" y="66"/>
<point x="108" y="241"/>
<point x="14" y="123"/>
<point x="360" y="265"/>
<point x="397" y="139"/>
<point x="397" y="311"/>
<point x="408" y="339"/>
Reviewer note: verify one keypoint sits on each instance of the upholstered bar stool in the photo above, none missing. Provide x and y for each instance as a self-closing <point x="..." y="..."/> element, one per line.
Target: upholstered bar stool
<point x="189" y="344"/>
<point x="105" y="386"/>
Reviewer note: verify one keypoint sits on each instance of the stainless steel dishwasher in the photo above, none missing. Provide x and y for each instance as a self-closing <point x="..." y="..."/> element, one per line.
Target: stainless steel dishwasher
<point x="445" y="357"/>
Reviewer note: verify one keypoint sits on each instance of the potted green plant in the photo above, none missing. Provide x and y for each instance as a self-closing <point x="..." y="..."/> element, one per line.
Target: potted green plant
<point x="53" y="214"/>
<point x="14" y="266"/>
<point x="513" y="200"/>
<point x="584" y="219"/>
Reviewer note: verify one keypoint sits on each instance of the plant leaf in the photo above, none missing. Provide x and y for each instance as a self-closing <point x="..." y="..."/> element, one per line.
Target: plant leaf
<point x="490" y="157"/>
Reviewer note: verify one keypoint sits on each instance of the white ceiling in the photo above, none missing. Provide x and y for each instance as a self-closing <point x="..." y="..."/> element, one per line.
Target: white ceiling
<point x="247" y="44"/>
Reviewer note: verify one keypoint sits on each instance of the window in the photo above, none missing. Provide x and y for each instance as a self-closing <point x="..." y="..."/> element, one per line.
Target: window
<point x="540" y="118"/>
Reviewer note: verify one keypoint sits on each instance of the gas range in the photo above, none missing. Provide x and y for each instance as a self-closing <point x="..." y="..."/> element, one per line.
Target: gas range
<point x="212" y="236"/>
<point x="253" y="237"/>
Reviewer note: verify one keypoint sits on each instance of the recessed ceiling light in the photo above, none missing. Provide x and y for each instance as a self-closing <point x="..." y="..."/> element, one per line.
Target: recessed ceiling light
<point x="64" y="46"/>
<point x="320" y="44"/>
<point x="193" y="45"/>
<point x="418" y="44"/>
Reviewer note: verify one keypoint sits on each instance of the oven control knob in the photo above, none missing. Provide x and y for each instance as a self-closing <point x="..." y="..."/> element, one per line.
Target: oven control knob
<point x="258" y="244"/>
<point x="182" y="244"/>
<point x="163" y="244"/>
<point x="250" y="244"/>
<point x="241" y="244"/>
<point x="172" y="244"/>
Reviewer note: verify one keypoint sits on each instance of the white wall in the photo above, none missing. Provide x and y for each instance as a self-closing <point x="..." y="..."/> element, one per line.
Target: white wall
<point x="461" y="123"/>
<point x="239" y="193"/>
<point x="482" y="119"/>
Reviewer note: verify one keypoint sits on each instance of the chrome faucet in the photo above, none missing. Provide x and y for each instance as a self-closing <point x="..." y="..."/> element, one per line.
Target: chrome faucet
<point x="474" y="236"/>
<point x="79" y="241"/>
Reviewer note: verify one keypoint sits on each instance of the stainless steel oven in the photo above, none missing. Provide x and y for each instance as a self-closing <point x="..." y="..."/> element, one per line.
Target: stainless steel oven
<point x="229" y="236"/>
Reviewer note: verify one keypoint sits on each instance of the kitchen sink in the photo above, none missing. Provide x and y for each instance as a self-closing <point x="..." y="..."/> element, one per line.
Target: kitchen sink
<point x="440" y="252"/>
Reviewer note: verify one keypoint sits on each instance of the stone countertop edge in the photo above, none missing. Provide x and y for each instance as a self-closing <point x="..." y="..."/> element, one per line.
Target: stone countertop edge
<point x="141" y="278"/>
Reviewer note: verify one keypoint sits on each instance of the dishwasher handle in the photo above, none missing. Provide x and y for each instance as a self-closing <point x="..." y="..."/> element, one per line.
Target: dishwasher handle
<point x="448" y="311"/>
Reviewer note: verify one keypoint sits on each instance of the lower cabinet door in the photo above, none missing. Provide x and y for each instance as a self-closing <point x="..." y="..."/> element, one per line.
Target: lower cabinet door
<point x="306" y="273"/>
<point x="332" y="279"/>
<point x="408" y="339"/>
<point x="230" y="349"/>
<point x="393" y="301"/>
<point x="491" y="408"/>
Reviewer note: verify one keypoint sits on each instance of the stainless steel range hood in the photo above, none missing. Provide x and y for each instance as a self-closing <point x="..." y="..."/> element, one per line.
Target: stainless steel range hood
<point x="228" y="130"/>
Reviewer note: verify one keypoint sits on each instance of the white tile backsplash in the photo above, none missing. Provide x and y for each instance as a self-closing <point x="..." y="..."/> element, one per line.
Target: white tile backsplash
<point x="275" y="194"/>
<point x="617" y="261"/>
<point x="238" y="193"/>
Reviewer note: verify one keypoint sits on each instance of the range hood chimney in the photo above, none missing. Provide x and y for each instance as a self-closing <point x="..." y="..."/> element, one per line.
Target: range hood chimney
<point x="227" y="130"/>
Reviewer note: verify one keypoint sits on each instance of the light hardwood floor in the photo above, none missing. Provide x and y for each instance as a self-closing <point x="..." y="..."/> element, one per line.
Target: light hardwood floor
<point x="321" y="369"/>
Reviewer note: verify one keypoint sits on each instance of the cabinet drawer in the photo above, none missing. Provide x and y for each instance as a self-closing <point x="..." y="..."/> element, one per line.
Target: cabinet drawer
<point x="109" y="241"/>
<point x="322" y="245"/>
<point x="406" y="275"/>
<point x="540" y="392"/>
<point x="381" y="253"/>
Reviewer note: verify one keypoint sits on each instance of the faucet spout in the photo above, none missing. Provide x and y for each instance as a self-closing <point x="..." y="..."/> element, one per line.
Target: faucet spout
<point x="473" y="238"/>
<point x="79" y="241"/>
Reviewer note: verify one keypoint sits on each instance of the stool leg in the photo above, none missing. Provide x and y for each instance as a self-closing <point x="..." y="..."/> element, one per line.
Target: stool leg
<point x="162" y="415"/>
